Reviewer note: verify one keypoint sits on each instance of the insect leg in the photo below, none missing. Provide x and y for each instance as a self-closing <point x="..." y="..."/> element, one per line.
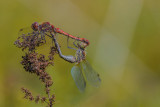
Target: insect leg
<point x="68" y="45"/>
<point x="69" y="58"/>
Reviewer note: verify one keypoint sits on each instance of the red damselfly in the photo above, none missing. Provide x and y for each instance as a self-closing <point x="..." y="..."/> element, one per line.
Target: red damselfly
<point x="49" y="27"/>
<point x="44" y="29"/>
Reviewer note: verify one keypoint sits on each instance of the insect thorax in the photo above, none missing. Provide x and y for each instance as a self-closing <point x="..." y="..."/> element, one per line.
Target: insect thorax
<point x="80" y="55"/>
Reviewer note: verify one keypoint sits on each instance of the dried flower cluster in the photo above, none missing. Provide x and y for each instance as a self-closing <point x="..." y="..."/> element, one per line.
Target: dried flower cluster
<point x="28" y="94"/>
<point x="36" y="63"/>
<point x="30" y="41"/>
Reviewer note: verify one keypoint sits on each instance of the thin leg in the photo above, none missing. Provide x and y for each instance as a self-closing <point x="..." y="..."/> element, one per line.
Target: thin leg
<point x="68" y="45"/>
<point x="43" y="37"/>
<point x="75" y="44"/>
<point x="50" y="37"/>
<point x="69" y="58"/>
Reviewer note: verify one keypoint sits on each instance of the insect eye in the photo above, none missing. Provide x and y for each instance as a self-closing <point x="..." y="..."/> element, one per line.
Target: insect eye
<point x="48" y="23"/>
<point x="52" y="26"/>
<point x="87" y="41"/>
<point x="35" y="26"/>
<point x="45" y="24"/>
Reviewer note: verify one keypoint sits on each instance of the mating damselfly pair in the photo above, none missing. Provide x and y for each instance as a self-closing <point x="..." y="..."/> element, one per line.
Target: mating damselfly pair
<point x="82" y="70"/>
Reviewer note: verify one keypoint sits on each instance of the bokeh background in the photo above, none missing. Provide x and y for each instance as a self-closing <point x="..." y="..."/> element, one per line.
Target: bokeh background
<point x="124" y="49"/>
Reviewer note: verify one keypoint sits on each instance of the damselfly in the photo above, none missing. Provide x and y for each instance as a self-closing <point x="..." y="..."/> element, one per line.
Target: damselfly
<point x="80" y="62"/>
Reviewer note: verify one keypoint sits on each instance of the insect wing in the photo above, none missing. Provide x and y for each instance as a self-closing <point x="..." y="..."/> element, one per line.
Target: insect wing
<point x="91" y="75"/>
<point x="78" y="77"/>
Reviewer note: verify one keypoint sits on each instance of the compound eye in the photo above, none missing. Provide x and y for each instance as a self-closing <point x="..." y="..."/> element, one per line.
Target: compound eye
<point x="35" y="26"/>
<point x="45" y="24"/>
<point x="52" y="26"/>
<point x="87" y="41"/>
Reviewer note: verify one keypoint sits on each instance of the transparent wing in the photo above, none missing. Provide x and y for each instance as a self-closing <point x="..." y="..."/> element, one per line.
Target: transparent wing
<point x="91" y="75"/>
<point x="78" y="77"/>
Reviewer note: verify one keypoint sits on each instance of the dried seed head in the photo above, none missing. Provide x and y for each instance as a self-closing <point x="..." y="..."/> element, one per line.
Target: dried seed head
<point x="36" y="63"/>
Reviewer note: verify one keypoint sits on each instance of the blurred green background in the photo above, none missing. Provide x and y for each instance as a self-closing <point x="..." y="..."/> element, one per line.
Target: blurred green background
<point x="124" y="49"/>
